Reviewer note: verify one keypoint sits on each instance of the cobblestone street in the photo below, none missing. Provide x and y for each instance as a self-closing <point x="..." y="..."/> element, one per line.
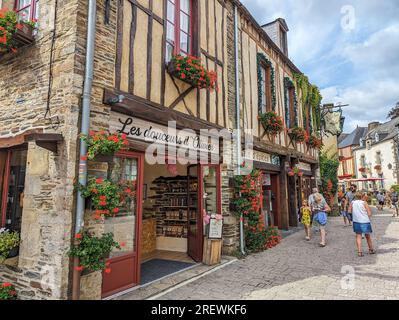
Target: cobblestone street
<point x="297" y="269"/>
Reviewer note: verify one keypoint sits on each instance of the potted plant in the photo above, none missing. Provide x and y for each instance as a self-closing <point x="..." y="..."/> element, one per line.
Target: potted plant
<point x="8" y="241"/>
<point x="105" y="196"/>
<point x="7" y="291"/>
<point x="14" y="33"/>
<point x="297" y="134"/>
<point x="272" y="123"/>
<point x="92" y="251"/>
<point x="103" y="143"/>
<point x="190" y="70"/>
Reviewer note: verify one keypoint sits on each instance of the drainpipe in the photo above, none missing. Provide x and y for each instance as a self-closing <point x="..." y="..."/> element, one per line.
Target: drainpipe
<point x="238" y="118"/>
<point x="88" y="81"/>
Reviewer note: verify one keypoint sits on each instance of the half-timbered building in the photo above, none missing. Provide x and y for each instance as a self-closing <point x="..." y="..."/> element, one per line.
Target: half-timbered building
<point x="137" y="90"/>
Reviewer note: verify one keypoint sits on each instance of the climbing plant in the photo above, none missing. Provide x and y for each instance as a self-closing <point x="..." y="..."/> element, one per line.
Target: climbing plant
<point x="263" y="60"/>
<point x="329" y="176"/>
<point x="310" y="98"/>
<point x="288" y="84"/>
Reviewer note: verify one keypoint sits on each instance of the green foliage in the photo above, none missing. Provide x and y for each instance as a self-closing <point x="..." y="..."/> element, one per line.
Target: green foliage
<point x="329" y="173"/>
<point x="288" y="84"/>
<point x="93" y="251"/>
<point x="7" y="291"/>
<point x="8" y="26"/>
<point x="311" y="97"/>
<point x="395" y="187"/>
<point x="247" y="203"/>
<point x="8" y="241"/>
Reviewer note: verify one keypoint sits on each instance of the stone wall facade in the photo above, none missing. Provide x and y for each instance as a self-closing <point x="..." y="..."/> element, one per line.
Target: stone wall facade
<point x="42" y="269"/>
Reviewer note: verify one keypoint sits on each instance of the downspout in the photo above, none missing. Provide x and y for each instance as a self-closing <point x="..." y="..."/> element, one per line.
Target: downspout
<point x="238" y="118"/>
<point x="87" y="89"/>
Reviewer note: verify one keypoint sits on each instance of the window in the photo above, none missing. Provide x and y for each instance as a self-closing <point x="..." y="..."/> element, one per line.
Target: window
<point x="291" y="105"/>
<point x="12" y="185"/>
<point x="283" y="41"/>
<point x="27" y="10"/>
<point x="378" y="158"/>
<point x="266" y="89"/>
<point x="377" y="137"/>
<point x="179" y="38"/>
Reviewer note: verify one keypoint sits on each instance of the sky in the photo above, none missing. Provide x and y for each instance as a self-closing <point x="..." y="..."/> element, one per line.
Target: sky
<point x="349" y="49"/>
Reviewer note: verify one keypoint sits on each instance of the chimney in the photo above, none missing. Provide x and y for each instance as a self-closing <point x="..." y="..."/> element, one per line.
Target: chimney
<point x="277" y="31"/>
<point x="373" y="125"/>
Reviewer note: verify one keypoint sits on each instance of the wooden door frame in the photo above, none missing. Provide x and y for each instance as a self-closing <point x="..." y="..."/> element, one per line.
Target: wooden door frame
<point x="139" y="217"/>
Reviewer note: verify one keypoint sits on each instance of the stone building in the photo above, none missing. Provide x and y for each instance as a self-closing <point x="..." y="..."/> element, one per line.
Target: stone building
<point x="376" y="161"/>
<point x="136" y="92"/>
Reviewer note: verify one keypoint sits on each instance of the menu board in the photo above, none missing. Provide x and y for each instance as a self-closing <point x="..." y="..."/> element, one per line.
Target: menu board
<point x="215" y="229"/>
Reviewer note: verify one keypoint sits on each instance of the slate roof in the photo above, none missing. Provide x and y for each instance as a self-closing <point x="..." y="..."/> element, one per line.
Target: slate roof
<point x="386" y="131"/>
<point x="342" y="137"/>
<point x="353" y="139"/>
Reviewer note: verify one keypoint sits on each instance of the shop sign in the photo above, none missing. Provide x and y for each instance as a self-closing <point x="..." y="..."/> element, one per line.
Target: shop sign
<point x="259" y="156"/>
<point x="141" y="130"/>
<point x="304" y="166"/>
<point x="215" y="228"/>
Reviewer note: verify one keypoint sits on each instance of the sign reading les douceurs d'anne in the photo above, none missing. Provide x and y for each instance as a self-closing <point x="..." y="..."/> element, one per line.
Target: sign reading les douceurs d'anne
<point x="141" y="130"/>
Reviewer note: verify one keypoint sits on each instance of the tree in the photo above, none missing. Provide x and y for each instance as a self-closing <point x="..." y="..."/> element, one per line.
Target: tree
<point x="329" y="177"/>
<point x="394" y="113"/>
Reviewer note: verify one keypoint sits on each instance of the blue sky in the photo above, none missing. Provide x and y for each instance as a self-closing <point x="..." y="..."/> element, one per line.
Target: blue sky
<point x="350" y="49"/>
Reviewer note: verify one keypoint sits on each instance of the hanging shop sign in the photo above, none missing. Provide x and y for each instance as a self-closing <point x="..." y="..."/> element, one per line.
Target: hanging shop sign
<point x="215" y="228"/>
<point x="141" y="130"/>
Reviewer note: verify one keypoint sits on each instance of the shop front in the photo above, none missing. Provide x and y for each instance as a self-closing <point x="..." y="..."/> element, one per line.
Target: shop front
<point x="270" y="167"/>
<point x="163" y="229"/>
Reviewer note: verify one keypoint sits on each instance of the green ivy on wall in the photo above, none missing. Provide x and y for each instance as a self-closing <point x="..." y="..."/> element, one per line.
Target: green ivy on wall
<point x="311" y="98"/>
<point x="263" y="60"/>
<point x="288" y="84"/>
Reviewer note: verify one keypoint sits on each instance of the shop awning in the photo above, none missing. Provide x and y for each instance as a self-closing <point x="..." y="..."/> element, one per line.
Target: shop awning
<point x="45" y="140"/>
<point x="364" y="180"/>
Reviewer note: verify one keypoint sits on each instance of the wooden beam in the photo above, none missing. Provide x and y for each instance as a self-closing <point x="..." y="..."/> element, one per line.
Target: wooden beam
<point x="17" y="139"/>
<point x="138" y="107"/>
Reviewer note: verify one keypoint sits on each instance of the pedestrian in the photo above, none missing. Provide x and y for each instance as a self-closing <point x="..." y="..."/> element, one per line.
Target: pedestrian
<point x="311" y="202"/>
<point x="306" y="215"/>
<point x="394" y="200"/>
<point x="381" y="201"/>
<point x="320" y="209"/>
<point x="349" y="197"/>
<point x="361" y="213"/>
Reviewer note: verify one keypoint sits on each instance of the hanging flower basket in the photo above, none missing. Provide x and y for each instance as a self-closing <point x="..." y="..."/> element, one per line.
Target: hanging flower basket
<point x="14" y="34"/>
<point x="362" y="170"/>
<point x="378" y="167"/>
<point x="272" y="123"/>
<point x="190" y="70"/>
<point x="314" y="142"/>
<point x="297" y="134"/>
<point x="92" y="251"/>
<point x="103" y="143"/>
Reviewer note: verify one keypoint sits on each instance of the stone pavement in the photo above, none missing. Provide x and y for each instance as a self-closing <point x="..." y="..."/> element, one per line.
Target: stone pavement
<point x="297" y="269"/>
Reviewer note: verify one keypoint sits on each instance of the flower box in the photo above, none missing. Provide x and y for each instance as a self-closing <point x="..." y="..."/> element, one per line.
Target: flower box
<point x="297" y="134"/>
<point x="190" y="70"/>
<point x="272" y="123"/>
<point x="14" y="34"/>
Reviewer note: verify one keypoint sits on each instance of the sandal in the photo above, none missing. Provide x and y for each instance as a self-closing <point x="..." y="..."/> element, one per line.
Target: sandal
<point x="322" y="245"/>
<point x="372" y="251"/>
<point x="360" y="254"/>
<point x="307" y="239"/>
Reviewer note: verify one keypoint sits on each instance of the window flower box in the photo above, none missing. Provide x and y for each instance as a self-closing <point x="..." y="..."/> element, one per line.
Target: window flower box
<point x="297" y="134"/>
<point x="190" y="70"/>
<point x="272" y="123"/>
<point x="14" y="34"/>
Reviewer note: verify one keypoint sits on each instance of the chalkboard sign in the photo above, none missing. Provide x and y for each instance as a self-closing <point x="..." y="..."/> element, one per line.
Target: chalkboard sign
<point x="215" y="229"/>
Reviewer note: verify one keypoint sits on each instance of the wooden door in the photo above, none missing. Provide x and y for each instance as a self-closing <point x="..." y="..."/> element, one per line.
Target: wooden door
<point x="126" y="226"/>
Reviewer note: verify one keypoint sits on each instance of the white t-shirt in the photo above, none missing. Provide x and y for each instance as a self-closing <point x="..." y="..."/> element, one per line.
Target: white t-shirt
<point x="359" y="212"/>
